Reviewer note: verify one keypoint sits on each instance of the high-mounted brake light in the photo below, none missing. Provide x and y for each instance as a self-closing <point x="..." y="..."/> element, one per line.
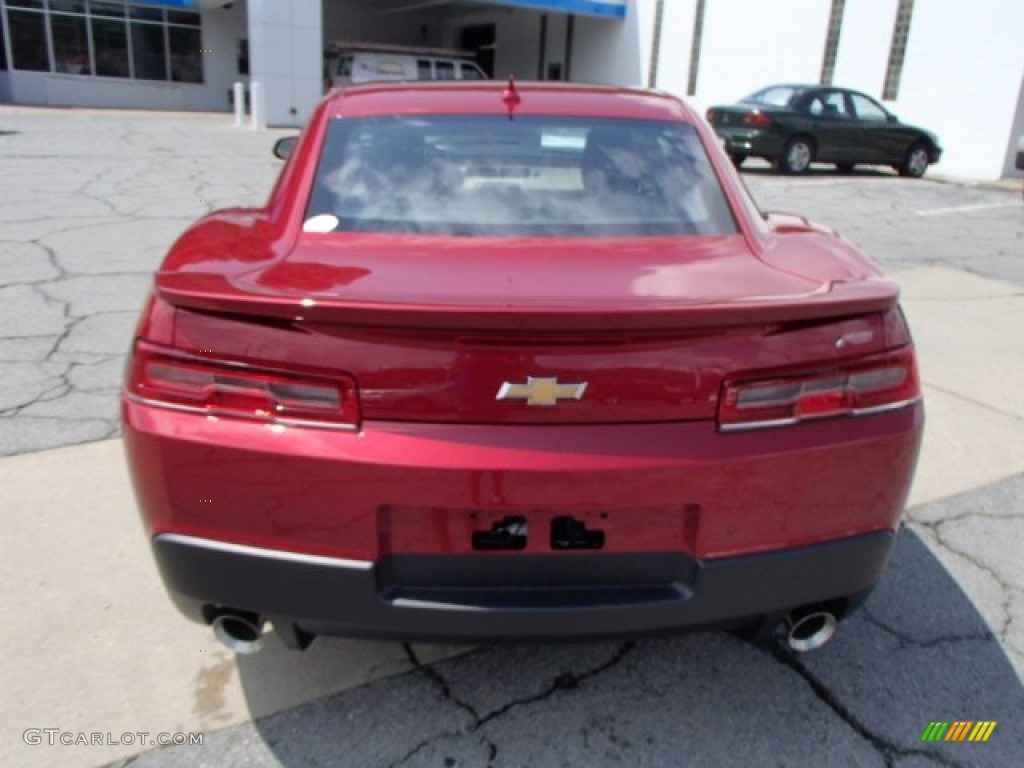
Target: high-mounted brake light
<point x="171" y="379"/>
<point x="511" y="97"/>
<point x="879" y="383"/>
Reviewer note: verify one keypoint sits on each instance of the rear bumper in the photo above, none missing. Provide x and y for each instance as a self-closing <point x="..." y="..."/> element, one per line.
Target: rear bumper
<point x="373" y="533"/>
<point x="753" y="143"/>
<point x="538" y="597"/>
<point x="425" y="488"/>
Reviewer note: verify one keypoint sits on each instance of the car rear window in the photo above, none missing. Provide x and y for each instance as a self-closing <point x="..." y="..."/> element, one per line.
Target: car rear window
<point x="776" y="96"/>
<point x="528" y="176"/>
<point x="471" y="72"/>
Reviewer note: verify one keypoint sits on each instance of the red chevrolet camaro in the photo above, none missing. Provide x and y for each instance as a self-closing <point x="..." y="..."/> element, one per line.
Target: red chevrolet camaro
<point x="501" y="362"/>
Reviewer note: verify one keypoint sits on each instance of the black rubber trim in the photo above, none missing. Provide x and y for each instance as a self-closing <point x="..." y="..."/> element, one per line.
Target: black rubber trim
<point x="509" y="596"/>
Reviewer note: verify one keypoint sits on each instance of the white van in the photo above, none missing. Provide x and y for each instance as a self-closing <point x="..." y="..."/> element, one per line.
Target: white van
<point x="352" y="64"/>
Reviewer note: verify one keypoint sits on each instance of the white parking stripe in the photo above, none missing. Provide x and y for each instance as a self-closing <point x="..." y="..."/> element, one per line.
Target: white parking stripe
<point x="964" y="208"/>
<point x="825" y="182"/>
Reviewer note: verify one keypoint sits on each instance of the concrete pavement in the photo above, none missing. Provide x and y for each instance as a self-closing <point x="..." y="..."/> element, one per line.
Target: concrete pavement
<point x="89" y="204"/>
<point x="90" y="644"/>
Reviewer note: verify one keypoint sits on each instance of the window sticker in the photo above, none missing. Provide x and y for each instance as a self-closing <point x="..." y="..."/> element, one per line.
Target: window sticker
<point x="321" y="223"/>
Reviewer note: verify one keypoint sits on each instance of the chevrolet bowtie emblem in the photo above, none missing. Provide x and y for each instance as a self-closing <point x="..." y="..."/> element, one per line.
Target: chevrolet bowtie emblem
<point x="541" y="391"/>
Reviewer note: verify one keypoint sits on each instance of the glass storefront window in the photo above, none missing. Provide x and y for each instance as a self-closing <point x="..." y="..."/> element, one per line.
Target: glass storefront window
<point x="28" y="41"/>
<point x="186" y="59"/>
<point x="110" y="39"/>
<point x="183" y="17"/>
<point x="146" y="14"/>
<point x="104" y="38"/>
<point x="67" y="6"/>
<point x="106" y="9"/>
<point x="70" y="44"/>
<point x="148" y="55"/>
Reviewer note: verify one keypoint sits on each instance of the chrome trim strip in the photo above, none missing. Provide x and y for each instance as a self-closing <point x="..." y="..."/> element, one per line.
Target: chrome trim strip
<point x="167" y="406"/>
<point x="748" y="427"/>
<point x="268" y="554"/>
<point x="886" y="408"/>
<point x="857" y="413"/>
<point x="270" y="422"/>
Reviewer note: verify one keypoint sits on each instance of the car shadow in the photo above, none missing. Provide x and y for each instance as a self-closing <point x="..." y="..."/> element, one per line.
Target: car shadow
<point x="761" y="168"/>
<point x="917" y="652"/>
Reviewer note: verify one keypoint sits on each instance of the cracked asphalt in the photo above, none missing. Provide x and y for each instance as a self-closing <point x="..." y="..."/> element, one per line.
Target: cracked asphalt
<point x="90" y="201"/>
<point x="702" y="700"/>
<point x="88" y="207"/>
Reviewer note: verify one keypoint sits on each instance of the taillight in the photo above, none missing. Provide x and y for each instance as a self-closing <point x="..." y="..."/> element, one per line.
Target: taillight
<point x="156" y="322"/>
<point x="710" y="114"/>
<point x="172" y="379"/>
<point x="879" y="383"/>
<point x="757" y="118"/>
<point x="895" y="330"/>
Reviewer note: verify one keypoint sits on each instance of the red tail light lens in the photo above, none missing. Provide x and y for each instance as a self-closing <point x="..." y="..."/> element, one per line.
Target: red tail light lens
<point x="217" y="388"/>
<point x="757" y="118"/>
<point x="880" y="383"/>
<point x="710" y="114"/>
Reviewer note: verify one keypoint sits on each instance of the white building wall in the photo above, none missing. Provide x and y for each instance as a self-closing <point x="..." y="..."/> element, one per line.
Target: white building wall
<point x="75" y="91"/>
<point x="29" y="88"/>
<point x="748" y="44"/>
<point x="864" y="45"/>
<point x="676" y="44"/>
<point x="286" y="57"/>
<point x="518" y="39"/>
<point x="223" y="29"/>
<point x="349" y="22"/>
<point x="614" y="51"/>
<point x="962" y="79"/>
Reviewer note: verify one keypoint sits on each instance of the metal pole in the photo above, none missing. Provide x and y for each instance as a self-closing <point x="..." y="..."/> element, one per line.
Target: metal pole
<point x="652" y="72"/>
<point x="239" y="104"/>
<point x="258" y="107"/>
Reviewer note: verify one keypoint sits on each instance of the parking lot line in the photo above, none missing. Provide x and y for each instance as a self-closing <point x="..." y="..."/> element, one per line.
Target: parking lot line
<point x="965" y="208"/>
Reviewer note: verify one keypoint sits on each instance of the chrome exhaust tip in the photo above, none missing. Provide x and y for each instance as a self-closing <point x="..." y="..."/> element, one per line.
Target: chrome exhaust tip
<point x="239" y="632"/>
<point x="810" y="630"/>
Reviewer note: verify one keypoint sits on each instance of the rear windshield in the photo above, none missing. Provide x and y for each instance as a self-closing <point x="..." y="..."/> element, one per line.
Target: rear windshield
<point x="776" y="96"/>
<point x="528" y="176"/>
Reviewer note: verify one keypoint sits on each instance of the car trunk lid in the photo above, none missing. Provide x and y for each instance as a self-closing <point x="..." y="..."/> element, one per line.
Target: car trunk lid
<point x="539" y="284"/>
<point x="526" y="331"/>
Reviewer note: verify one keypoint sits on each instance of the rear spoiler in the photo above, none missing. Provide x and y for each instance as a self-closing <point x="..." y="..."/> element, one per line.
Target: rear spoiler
<point x="214" y="293"/>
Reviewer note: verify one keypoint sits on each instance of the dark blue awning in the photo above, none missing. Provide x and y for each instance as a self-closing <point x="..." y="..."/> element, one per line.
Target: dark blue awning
<point x="613" y="9"/>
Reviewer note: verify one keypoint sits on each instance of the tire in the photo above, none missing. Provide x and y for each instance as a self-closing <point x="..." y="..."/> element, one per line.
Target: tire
<point x="915" y="162"/>
<point x="796" y="156"/>
<point x="737" y="159"/>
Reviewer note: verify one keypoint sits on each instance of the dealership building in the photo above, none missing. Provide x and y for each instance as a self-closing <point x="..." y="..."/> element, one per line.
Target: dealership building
<point x="953" y="67"/>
